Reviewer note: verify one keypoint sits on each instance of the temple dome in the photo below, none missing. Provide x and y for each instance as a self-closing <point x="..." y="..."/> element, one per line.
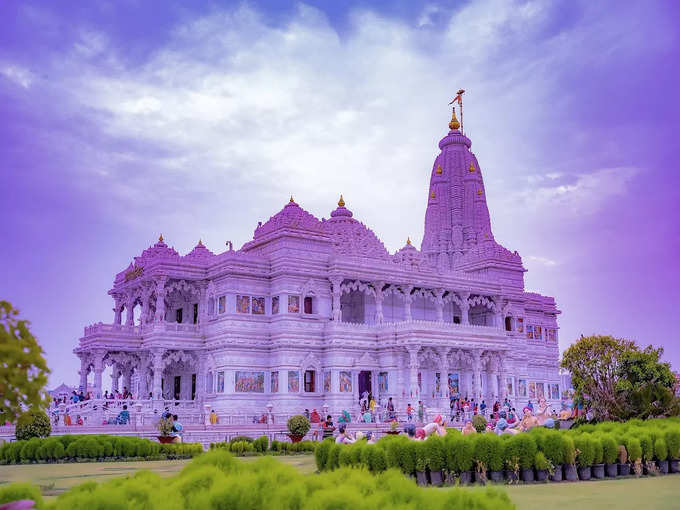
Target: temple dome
<point x="200" y="253"/>
<point x="160" y="250"/>
<point x="292" y="217"/>
<point x="409" y="255"/>
<point x="351" y="237"/>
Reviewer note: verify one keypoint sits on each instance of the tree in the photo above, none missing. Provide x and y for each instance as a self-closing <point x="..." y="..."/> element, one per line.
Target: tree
<point x="23" y="370"/>
<point x="618" y="381"/>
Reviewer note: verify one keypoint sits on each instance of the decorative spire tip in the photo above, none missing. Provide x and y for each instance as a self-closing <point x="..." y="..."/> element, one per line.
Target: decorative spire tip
<point x="408" y="240"/>
<point x="454" y="124"/>
<point x="341" y="202"/>
<point x="160" y="238"/>
<point x="291" y="200"/>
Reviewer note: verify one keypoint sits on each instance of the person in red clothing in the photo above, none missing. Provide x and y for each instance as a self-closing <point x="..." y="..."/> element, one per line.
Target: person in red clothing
<point x="315" y="420"/>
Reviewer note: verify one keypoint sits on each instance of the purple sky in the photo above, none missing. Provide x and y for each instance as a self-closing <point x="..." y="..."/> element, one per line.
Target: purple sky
<point x="122" y="120"/>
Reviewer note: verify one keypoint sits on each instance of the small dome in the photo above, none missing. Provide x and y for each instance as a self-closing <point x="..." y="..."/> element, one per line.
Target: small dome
<point x="292" y="216"/>
<point x="199" y="253"/>
<point x="351" y="237"/>
<point x="409" y="255"/>
<point x="160" y="250"/>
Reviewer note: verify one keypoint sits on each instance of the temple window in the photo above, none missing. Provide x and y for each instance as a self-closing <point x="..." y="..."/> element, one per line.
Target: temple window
<point x="310" y="376"/>
<point x="293" y="304"/>
<point x="456" y="319"/>
<point x="222" y="304"/>
<point x="508" y="323"/>
<point x="195" y="313"/>
<point x="178" y="315"/>
<point x="209" y="382"/>
<point x="243" y="304"/>
<point x="220" y="383"/>
<point x="211" y="306"/>
<point x="308" y="305"/>
<point x="352" y="306"/>
<point x="275" y="305"/>
<point x="193" y="386"/>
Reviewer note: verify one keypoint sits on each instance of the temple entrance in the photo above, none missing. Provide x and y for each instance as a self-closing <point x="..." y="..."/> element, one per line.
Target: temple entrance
<point x="178" y="387"/>
<point x="364" y="382"/>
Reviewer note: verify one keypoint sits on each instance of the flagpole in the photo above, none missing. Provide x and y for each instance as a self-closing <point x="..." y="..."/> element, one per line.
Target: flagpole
<point x="460" y="102"/>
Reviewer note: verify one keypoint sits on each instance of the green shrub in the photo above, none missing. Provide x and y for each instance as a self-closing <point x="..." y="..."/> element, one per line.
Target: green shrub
<point x="33" y="423"/>
<point x="647" y="446"/>
<point x="610" y="449"/>
<point x="19" y="491"/>
<point x="320" y="454"/>
<point x="463" y="454"/>
<point x="660" y="449"/>
<point x="377" y="460"/>
<point x="511" y="452"/>
<point x="586" y="450"/>
<point x="237" y="439"/>
<point x="421" y="455"/>
<point x="634" y="449"/>
<point x="407" y="460"/>
<point x="569" y="450"/>
<point x="541" y="462"/>
<point x="30" y="448"/>
<point x="479" y="423"/>
<point x="334" y="455"/>
<point x="482" y="451"/>
<point x="355" y="453"/>
<point x="598" y="451"/>
<point x="435" y="453"/>
<point x="261" y="444"/>
<point x="622" y="457"/>
<point x="553" y="447"/>
<point x="298" y="425"/>
<point x="496" y="457"/>
<point x="344" y="457"/>
<point x="527" y="450"/>
<point x="672" y="437"/>
<point x="393" y="452"/>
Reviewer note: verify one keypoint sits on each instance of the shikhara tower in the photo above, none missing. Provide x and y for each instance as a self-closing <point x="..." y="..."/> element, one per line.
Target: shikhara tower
<point x="311" y="313"/>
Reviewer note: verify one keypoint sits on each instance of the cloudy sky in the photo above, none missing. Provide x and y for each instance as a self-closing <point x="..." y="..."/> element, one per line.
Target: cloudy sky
<point x="125" y="119"/>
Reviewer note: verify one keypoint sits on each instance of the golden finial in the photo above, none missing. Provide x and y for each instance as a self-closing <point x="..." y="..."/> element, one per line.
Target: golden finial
<point x="408" y="241"/>
<point x="200" y="242"/>
<point x="479" y="192"/>
<point x="341" y="202"/>
<point x="486" y="235"/>
<point x="454" y="124"/>
<point x="432" y="195"/>
<point x="472" y="167"/>
<point x="291" y="199"/>
<point x="160" y="239"/>
<point x="439" y="169"/>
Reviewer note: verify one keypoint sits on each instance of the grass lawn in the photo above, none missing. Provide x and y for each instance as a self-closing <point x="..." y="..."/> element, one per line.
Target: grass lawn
<point x="649" y="493"/>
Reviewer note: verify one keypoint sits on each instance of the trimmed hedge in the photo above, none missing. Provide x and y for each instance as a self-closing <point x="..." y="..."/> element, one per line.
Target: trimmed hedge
<point x="80" y="448"/>
<point x="635" y="441"/>
<point x="217" y="480"/>
<point x="242" y="446"/>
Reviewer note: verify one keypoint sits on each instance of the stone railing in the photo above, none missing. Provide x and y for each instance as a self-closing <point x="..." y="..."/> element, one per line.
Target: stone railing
<point x="122" y="329"/>
<point x="100" y="327"/>
<point x="405" y="325"/>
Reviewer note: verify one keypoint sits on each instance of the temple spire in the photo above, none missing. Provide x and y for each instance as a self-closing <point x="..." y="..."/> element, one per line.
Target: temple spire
<point x="454" y="124"/>
<point x="341" y="202"/>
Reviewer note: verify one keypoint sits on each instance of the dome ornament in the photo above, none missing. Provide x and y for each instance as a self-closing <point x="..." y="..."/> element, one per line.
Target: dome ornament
<point x="291" y="201"/>
<point x="408" y="240"/>
<point x="472" y="167"/>
<point x="439" y="169"/>
<point x="341" y="202"/>
<point x="160" y="238"/>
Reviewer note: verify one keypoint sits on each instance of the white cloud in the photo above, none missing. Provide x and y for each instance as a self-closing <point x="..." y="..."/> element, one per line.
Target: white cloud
<point x="544" y="261"/>
<point x="18" y="75"/>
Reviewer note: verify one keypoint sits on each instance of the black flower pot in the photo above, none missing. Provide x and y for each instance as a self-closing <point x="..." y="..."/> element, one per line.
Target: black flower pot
<point x="584" y="472"/>
<point x="465" y="477"/>
<point x="496" y="476"/>
<point x="674" y="465"/>
<point x="511" y="476"/>
<point x="556" y="475"/>
<point x="421" y="478"/>
<point x="527" y="474"/>
<point x="541" y="475"/>
<point x="570" y="473"/>
<point x="663" y="466"/>
<point x="436" y="478"/>
<point x="611" y="470"/>
<point x="624" y="469"/>
<point x="598" y="471"/>
<point x="480" y="477"/>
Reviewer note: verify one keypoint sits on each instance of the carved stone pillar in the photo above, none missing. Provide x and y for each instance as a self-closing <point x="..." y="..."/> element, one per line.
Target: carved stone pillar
<point x="84" y="369"/>
<point x="98" y="363"/>
<point x="408" y="299"/>
<point x="114" y="377"/>
<point x="413" y="372"/>
<point x="157" y="373"/>
<point x="201" y="374"/>
<point x="130" y="311"/>
<point x="202" y="304"/>
<point x="464" y="308"/>
<point x="146" y="298"/>
<point x="117" y="311"/>
<point x="498" y="311"/>
<point x="160" y="299"/>
<point x="142" y="371"/>
<point x="127" y="377"/>
<point x="444" y="377"/>
<point x="336" y="282"/>
<point x="439" y="304"/>
<point x="477" y="373"/>
<point x="379" y="297"/>
<point x="502" y="394"/>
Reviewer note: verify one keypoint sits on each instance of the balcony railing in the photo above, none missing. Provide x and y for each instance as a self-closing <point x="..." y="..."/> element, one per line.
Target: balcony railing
<point x="122" y="329"/>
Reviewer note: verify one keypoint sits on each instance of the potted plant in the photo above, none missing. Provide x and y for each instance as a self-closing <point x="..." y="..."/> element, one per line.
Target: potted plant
<point x="511" y="457"/>
<point x="570" y="472"/>
<point x="584" y="456"/>
<point x="479" y="423"/>
<point x="635" y="455"/>
<point x="527" y="456"/>
<point x="421" y="463"/>
<point x="543" y="467"/>
<point x="624" y="467"/>
<point x="298" y="426"/>
<point x="482" y="451"/>
<point x="463" y="455"/>
<point x="165" y="430"/>
<point x="553" y="448"/>
<point x="598" y="455"/>
<point x="672" y="437"/>
<point x="495" y="465"/>
<point x="661" y="454"/>
<point x="609" y="455"/>
<point x="435" y="459"/>
<point x="394" y="428"/>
